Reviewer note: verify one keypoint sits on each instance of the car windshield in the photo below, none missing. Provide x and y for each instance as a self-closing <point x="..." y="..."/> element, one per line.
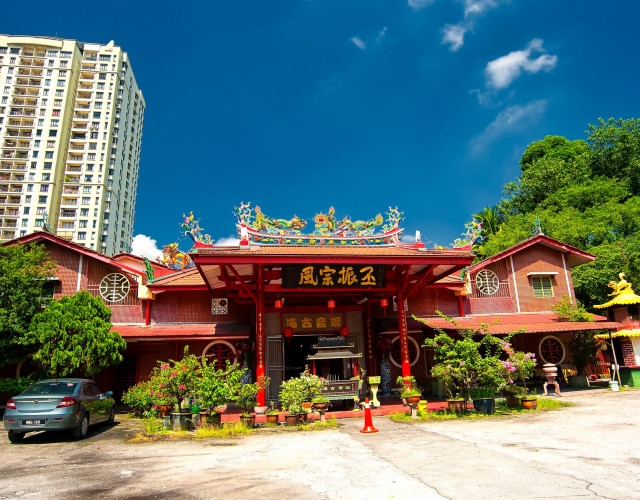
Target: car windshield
<point x="51" y="388"/>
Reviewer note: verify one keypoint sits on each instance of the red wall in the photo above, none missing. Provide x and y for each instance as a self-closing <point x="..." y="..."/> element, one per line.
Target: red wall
<point x="195" y="307"/>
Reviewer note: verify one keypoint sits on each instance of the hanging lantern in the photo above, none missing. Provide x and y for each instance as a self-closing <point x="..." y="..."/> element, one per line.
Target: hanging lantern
<point x="344" y="330"/>
<point x="384" y="302"/>
<point x="288" y="332"/>
<point x="278" y="304"/>
<point x="331" y="304"/>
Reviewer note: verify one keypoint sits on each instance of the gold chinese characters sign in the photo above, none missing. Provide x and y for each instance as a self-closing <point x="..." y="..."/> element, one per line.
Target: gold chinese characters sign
<point x="322" y="322"/>
<point x="333" y="276"/>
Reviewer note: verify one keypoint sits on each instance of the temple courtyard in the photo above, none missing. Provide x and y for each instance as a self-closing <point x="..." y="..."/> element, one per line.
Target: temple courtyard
<point x="588" y="450"/>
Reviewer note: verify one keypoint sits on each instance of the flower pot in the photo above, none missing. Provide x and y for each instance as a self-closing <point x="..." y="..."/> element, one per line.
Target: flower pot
<point x="248" y="420"/>
<point x="166" y="410"/>
<point x="529" y="403"/>
<point x="303" y="418"/>
<point x="306" y="406"/>
<point x="291" y="420"/>
<point x="412" y="400"/>
<point x="272" y="419"/>
<point x="321" y="406"/>
<point x="513" y="402"/>
<point x="180" y="421"/>
<point x="457" y="406"/>
<point x="214" y="419"/>
<point x="486" y="406"/>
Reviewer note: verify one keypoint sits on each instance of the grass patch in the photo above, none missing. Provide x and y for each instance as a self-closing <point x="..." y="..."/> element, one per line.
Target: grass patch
<point x="331" y="423"/>
<point x="229" y="431"/>
<point x="544" y="404"/>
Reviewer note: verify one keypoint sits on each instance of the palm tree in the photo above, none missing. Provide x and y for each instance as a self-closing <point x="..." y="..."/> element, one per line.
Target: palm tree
<point x="490" y="220"/>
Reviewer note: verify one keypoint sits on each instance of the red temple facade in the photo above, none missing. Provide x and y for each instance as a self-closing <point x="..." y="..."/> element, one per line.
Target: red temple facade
<point x="266" y="303"/>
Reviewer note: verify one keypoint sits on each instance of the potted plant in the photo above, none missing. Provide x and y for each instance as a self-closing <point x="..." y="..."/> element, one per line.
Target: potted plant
<point x="178" y="381"/>
<point x="513" y="393"/>
<point x="320" y="403"/>
<point x="272" y="414"/>
<point x="530" y="400"/>
<point x="410" y="391"/>
<point x="292" y="395"/>
<point x="246" y="399"/>
<point x="313" y="386"/>
<point x="484" y="400"/>
<point x="584" y="349"/>
<point x="216" y="387"/>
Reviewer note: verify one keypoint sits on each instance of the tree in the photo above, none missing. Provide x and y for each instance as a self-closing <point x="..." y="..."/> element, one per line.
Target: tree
<point x="552" y="146"/>
<point x="74" y="337"/>
<point x="23" y="271"/>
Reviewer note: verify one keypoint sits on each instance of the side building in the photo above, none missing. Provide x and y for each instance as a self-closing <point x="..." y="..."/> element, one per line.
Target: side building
<point x="71" y="118"/>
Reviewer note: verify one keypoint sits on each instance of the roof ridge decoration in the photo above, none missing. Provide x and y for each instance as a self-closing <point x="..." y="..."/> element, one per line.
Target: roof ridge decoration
<point x="258" y="228"/>
<point x="623" y="294"/>
<point x="468" y="239"/>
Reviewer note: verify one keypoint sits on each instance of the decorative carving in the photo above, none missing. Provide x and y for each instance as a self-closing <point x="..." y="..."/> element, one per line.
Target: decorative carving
<point x="173" y="257"/>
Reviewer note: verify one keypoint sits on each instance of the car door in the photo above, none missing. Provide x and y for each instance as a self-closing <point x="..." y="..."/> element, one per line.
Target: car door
<point x="103" y="406"/>
<point x="91" y="401"/>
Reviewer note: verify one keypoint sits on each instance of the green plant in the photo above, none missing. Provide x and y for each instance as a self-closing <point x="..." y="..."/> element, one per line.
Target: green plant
<point x="515" y="391"/>
<point x="217" y="386"/>
<point x="292" y="395"/>
<point x="530" y="393"/>
<point x="140" y="397"/>
<point x="15" y="385"/>
<point x="320" y="399"/>
<point x="409" y="386"/>
<point x="246" y="397"/>
<point x="272" y="410"/>
<point x="313" y="385"/>
<point x="482" y="392"/>
<point x="567" y="310"/>
<point x="584" y="349"/>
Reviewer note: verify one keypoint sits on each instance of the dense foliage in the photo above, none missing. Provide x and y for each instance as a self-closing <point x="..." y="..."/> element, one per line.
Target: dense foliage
<point x="74" y="337"/>
<point x="586" y="194"/>
<point x="23" y="271"/>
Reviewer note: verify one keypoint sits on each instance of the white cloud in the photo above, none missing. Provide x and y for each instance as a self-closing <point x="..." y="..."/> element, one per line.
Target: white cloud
<point x="511" y="119"/>
<point x="381" y="34"/>
<point x="504" y="70"/>
<point x="478" y="7"/>
<point x="358" y="42"/>
<point x="144" y="246"/>
<point x="419" y="4"/>
<point x="229" y="241"/>
<point x="453" y="34"/>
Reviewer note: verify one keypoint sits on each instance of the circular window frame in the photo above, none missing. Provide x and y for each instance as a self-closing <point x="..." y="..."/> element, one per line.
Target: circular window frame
<point x="228" y="344"/>
<point x="109" y="286"/>
<point x="564" y="350"/>
<point x="415" y="343"/>
<point x="486" y="285"/>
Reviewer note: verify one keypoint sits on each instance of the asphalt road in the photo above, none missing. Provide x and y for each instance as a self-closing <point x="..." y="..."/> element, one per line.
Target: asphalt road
<point x="590" y="450"/>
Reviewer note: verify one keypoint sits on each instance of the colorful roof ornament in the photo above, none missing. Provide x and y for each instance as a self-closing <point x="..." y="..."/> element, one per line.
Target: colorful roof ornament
<point x="468" y="239"/>
<point x="194" y="231"/>
<point x="173" y="257"/>
<point x="622" y="294"/>
<point x="256" y="227"/>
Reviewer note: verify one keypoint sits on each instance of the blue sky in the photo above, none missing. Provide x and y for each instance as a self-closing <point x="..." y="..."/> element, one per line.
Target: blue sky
<point x="298" y="105"/>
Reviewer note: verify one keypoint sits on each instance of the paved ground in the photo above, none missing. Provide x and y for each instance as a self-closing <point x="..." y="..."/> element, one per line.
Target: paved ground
<point x="591" y="450"/>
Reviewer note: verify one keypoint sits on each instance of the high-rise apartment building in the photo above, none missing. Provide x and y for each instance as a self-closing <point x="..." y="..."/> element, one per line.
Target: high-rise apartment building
<point x="71" y="116"/>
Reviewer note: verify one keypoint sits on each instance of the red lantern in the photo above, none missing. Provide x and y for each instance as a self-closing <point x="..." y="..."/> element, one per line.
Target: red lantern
<point x="384" y="302"/>
<point x="331" y="304"/>
<point x="278" y="304"/>
<point x="344" y="330"/>
<point x="288" y="332"/>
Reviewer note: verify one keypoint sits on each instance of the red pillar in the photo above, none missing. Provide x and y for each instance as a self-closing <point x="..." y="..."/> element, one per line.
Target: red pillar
<point x="402" y="324"/>
<point x="460" y="306"/>
<point x="260" y="338"/>
<point x="368" y="339"/>
<point x="147" y="316"/>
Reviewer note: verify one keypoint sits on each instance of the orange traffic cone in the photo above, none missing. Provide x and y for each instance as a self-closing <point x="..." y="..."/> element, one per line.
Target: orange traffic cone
<point x="368" y="422"/>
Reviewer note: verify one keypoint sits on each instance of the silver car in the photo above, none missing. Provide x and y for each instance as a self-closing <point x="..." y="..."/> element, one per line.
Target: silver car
<point x="58" y="404"/>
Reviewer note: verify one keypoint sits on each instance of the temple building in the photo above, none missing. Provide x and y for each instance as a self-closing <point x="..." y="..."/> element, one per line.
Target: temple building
<point x="272" y="301"/>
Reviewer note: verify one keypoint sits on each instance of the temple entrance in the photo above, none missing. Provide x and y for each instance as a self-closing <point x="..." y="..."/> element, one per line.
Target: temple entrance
<point x="296" y="351"/>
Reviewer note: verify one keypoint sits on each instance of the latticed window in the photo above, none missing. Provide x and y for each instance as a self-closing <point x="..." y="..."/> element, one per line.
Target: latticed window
<point x="542" y="286"/>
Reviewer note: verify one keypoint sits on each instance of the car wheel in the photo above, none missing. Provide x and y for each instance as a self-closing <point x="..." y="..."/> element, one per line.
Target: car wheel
<point x="16" y="437"/>
<point x="81" y="431"/>
<point x="112" y="417"/>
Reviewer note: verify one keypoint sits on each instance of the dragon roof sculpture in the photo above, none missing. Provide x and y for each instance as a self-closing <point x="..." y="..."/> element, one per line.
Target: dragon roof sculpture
<point x="255" y="226"/>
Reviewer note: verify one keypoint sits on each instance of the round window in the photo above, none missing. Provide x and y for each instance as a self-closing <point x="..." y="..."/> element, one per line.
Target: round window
<point x="552" y="350"/>
<point x="487" y="281"/>
<point x="220" y="351"/>
<point x="114" y="287"/>
<point x="395" y="353"/>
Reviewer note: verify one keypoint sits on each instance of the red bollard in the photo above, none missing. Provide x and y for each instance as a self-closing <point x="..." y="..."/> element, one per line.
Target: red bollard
<point x="368" y="422"/>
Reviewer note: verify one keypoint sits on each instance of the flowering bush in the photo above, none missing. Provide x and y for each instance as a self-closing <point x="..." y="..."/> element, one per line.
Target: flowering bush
<point x="313" y="386"/>
<point x="174" y="381"/>
<point x="293" y="394"/>
<point x="139" y="397"/>
<point x="246" y="397"/>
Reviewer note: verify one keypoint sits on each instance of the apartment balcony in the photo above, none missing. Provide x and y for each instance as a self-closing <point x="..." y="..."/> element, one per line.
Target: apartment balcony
<point x="77" y="147"/>
<point x="73" y="168"/>
<point x="11" y="224"/>
<point x="5" y="177"/>
<point x="67" y="214"/>
<point x="84" y="76"/>
<point x="6" y="166"/>
<point x="90" y="57"/>
<point x="79" y="126"/>
<point x="85" y="86"/>
<point x="26" y="133"/>
<point x="75" y="158"/>
<point x="83" y="95"/>
<point x="71" y="191"/>
<point x="83" y="106"/>
<point x="9" y="143"/>
<point x="78" y="137"/>
<point x="13" y="200"/>
<point x="71" y="179"/>
<point x="69" y="203"/>
<point x="81" y="116"/>
<point x="9" y="235"/>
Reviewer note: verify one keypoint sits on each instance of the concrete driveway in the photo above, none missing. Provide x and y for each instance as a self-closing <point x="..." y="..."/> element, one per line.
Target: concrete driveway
<point x="591" y="450"/>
